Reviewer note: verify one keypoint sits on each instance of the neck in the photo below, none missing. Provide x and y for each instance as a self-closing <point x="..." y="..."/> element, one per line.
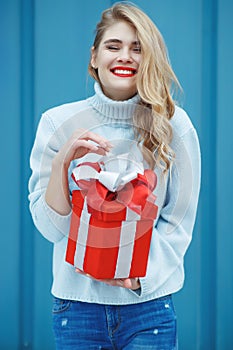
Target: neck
<point x="112" y="109"/>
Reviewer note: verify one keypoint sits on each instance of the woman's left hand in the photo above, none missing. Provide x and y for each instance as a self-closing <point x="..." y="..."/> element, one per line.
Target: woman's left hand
<point x="129" y="283"/>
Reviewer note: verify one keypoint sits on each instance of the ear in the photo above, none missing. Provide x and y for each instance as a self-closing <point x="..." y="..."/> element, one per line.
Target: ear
<point x="93" y="57"/>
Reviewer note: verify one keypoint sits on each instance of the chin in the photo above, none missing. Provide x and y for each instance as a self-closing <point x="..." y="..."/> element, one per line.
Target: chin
<point x="120" y="91"/>
<point x="123" y="90"/>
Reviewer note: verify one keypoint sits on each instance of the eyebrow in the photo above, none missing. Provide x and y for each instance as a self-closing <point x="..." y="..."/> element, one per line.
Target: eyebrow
<point x="119" y="41"/>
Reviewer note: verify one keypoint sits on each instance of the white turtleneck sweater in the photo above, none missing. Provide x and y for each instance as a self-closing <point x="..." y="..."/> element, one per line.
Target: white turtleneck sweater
<point x="177" y="198"/>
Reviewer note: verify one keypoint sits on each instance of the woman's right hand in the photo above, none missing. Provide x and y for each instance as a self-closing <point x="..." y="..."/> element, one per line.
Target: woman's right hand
<point x="80" y="143"/>
<point x="57" y="194"/>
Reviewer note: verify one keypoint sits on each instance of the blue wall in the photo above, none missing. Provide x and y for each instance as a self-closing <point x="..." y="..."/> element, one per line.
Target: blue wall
<point x="44" y="51"/>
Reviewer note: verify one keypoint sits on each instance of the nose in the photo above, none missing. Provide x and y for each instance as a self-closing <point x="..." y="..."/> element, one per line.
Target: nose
<point x="125" y="55"/>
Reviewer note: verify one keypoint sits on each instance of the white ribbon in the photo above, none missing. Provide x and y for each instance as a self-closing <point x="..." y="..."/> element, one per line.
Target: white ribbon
<point x="116" y="171"/>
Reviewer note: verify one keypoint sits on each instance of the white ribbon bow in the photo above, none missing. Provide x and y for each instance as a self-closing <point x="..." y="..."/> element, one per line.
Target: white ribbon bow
<point x="116" y="171"/>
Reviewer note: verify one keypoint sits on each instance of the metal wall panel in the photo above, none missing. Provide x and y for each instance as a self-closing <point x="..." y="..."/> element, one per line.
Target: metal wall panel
<point x="10" y="180"/>
<point x="224" y="175"/>
<point x="181" y="26"/>
<point x="44" y="51"/>
<point x="63" y="38"/>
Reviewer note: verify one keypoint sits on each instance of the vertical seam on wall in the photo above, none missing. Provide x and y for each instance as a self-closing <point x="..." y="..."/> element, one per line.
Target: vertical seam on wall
<point x="26" y="263"/>
<point x="214" y="146"/>
<point x="207" y="316"/>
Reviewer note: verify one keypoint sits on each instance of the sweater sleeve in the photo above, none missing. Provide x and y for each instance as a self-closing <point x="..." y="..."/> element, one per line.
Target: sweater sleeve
<point x="47" y="143"/>
<point x="173" y="232"/>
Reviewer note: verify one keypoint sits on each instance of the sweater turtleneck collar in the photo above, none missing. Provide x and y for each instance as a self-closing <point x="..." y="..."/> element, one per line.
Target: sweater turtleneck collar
<point x="111" y="109"/>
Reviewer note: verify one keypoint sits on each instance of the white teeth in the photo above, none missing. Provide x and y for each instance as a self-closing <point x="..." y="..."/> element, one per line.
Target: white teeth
<point x="123" y="71"/>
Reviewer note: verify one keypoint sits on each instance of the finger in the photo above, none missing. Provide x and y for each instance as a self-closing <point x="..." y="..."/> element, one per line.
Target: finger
<point x="83" y="151"/>
<point x="111" y="282"/>
<point x="131" y="283"/>
<point x="83" y="273"/>
<point x="100" y="140"/>
<point x="128" y="283"/>
<point x="89" y="147"/>
<point x="79" y="271"/>
<point x="78" y="143"/>
<point x="101" y="151"/>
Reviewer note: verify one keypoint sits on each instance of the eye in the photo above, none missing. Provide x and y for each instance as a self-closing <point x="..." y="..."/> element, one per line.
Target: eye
<point x="112" y="47"/>
<point x="137" y="49"/>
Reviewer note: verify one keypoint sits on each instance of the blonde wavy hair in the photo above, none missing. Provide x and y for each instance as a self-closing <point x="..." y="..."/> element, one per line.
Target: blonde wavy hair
<point x="155" y="81"/>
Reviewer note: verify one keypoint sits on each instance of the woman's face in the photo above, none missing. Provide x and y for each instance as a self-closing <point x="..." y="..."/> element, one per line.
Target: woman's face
<point x="117" y="60"/>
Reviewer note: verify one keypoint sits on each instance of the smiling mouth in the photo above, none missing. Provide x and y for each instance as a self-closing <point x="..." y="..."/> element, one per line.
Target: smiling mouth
<point x="124" y="72"/>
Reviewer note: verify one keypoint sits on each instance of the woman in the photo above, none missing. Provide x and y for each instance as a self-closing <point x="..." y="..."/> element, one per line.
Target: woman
<point x="132" y="103"/>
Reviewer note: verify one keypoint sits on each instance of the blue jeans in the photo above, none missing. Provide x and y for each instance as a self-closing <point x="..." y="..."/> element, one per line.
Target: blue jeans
<point x="84" y="326"/>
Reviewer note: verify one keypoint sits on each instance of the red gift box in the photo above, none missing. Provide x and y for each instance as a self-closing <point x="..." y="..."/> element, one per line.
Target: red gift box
<point x="110" y="232"/>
